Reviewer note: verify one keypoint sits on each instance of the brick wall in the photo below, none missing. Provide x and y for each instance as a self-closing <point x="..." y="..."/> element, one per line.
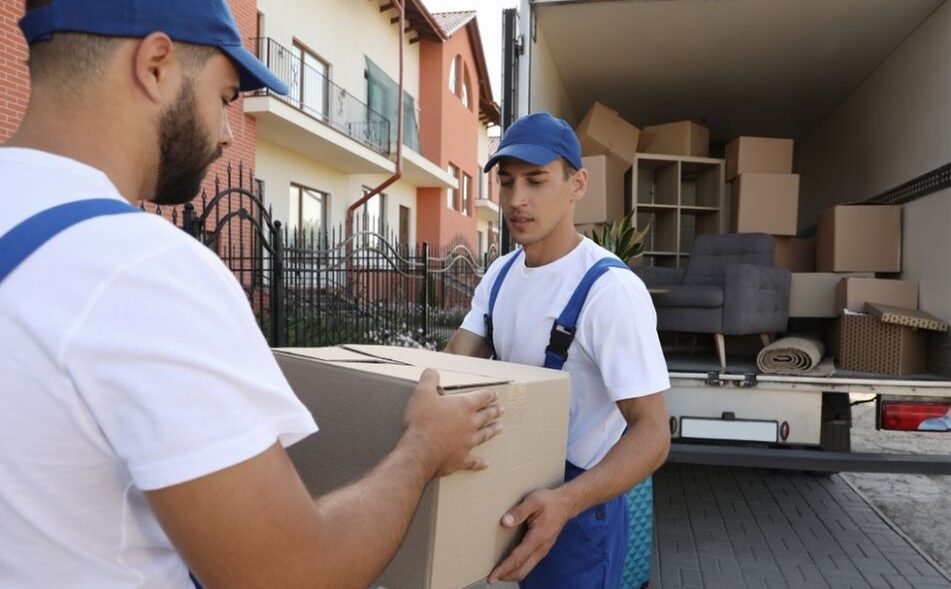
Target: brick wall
<point x="14" y="78"/>
<point x="15" y="83"/>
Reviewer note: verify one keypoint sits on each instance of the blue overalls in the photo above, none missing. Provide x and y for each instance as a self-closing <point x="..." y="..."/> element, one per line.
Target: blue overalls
<point x="17" y="244"/>
<point x="591" y="551"/>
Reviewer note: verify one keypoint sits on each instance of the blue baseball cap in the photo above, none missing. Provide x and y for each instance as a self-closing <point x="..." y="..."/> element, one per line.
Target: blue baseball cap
<point x="538" y="139"/>
<point x="200" y="22"/>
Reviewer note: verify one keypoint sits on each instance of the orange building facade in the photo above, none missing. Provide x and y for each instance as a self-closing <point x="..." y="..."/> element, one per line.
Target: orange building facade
<point x="456" y="108"/>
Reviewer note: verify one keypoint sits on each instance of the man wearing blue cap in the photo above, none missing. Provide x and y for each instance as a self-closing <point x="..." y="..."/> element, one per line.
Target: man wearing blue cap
<point x="144" y="418"/>
<point x="529" y="308"/>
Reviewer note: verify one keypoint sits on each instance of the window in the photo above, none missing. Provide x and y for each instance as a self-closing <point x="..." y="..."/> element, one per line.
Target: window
<point x="481" y="237"/>
<point x="381" y="98"/>
<point x="308" y="212"/>
<point x="309" y="79"/>
<point x="451" y="192"/>
<point x="466" y="193"/>
<point x="465" y="89"/>
<point x="482" y="182"/>
<point x="454" y="74"/>
<point x="371" y="216"/>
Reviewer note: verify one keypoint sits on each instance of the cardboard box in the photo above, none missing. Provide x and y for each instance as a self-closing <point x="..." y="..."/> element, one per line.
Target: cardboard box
<point x="681" y="138"/>
<point x="794" y="254"/>
<point x="603" y="132"/>
<point x="859" y="238"/>
<point x="812" y="294"/>
<point x="358" y="394"/>
<point x="765" y="203"/>
<point x="604" y="201"/>
<point x="853" y="293"/>
<point x="867" y="344"/>
<point x="758" y="155"/>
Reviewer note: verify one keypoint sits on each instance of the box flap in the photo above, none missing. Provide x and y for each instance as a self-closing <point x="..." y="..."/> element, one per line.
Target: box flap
<point x="334" y="354"/>
<point x="490" y="369"/>
<point x="906" y="317"/>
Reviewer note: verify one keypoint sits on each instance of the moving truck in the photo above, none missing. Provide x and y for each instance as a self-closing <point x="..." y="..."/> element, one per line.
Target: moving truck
<point x="863" y="87"/>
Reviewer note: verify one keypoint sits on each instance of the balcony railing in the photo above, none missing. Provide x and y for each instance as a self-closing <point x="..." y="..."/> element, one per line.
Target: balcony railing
<point x="312" y="93"/>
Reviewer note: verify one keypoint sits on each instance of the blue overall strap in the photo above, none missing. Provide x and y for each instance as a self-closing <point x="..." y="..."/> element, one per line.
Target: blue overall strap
<point x="494" y="294"/>
<point x="563" y="329"/>
<point x="20" y="242"/>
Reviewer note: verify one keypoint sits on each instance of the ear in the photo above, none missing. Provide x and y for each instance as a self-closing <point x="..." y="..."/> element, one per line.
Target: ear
<point x="156" y="67"/>
<point x="579" y="184"/>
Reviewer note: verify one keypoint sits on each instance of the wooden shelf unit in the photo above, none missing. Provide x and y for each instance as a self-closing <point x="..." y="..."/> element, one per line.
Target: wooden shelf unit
<point x="681" y="197"/>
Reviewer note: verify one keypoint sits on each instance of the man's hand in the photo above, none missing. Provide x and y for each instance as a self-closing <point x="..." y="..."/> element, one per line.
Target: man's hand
<point x="443" y="429"/>
<point x="546" y="514"/>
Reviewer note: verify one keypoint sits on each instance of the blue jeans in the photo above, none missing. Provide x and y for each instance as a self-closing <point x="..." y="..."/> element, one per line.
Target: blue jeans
<point x="590" y="551"/>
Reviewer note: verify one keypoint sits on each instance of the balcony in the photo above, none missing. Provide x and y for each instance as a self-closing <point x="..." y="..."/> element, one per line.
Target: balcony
<point x="317" y="117"/>
<point x="486" y="209"/>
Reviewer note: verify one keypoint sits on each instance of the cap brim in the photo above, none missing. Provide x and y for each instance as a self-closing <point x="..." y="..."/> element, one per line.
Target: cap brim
<point x="533" y="154"/>
<point x="253" y="74"/>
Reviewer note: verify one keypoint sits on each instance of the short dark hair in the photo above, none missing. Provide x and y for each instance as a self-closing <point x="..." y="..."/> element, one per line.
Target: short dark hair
<point x="569" y="169"/>
<point x="71" y="59"/>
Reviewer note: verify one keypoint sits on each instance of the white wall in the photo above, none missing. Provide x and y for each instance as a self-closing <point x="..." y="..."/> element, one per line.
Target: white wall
<point x="280" y="167"/>
<point x="343" y="33"/>
<point x="399" y="193"/>
<point x="894" y="127"/>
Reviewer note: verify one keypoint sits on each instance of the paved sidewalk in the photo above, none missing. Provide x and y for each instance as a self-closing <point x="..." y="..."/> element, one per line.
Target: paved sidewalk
<point x="736" y="528"/>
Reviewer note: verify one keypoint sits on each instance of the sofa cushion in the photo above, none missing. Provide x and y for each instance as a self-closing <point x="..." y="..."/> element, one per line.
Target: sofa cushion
<point x="689" y="296"/>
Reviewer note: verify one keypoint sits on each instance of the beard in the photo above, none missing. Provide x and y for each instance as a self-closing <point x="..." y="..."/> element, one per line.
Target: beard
<point x="186" y="151"/>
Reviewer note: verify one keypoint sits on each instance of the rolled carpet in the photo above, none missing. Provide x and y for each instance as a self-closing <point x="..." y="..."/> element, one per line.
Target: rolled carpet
<point x="794" y="356"/>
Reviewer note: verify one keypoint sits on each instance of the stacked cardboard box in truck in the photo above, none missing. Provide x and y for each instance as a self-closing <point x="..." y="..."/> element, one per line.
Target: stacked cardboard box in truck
<point x="686" y="138"/>
<point x="859" y="238"/>
<point x="603" y="132"/>
<point x="604" y="201"/>
<point x="358" y="394"/>
<point x="765" y="191"/>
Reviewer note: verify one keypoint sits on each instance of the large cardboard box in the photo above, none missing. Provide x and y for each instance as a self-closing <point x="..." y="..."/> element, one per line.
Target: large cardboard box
<point x="859" y="238"/>
<point x="853" y="293"/>
<point x="680" y="138"/>
<point x="794" y="254"/>
<point x="603" y="132"/>
<point x="765" y="203"/>
<point x="604" y="201"/>
<point x="357" y="395"/>
<point x="812" y="294"/>
<point x="758" y="155"/>
<point x="867" y="344"/>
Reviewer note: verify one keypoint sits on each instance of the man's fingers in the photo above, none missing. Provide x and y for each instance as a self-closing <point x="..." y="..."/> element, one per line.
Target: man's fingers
<point x="476" y="463"/>
<point x="430" y="378"/>
<point x="487" y="433"/>
<point x="482" y="398"/>
<point x="521" y="561"/>
<point x="518" y="514"/>
<point x="489" y="414"/>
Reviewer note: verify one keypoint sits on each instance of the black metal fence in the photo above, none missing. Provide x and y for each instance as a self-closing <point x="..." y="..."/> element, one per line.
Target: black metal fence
<point x="325" y="287"/>
<point x="311" y="92"/>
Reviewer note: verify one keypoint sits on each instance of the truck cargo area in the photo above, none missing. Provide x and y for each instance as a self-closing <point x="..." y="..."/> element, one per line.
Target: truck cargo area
<point x="862" y="87"/>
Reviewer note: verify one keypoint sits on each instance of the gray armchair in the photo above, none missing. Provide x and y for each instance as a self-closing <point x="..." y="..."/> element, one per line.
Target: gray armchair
<point x="729" y="287"/>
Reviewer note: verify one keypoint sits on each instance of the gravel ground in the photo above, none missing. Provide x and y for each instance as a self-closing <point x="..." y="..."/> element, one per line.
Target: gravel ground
<point x="919" y="505"/>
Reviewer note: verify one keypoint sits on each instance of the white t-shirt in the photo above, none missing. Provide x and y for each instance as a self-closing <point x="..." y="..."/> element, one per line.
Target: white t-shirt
<point x="615" y="354"/>
<point x="129" y="361"/>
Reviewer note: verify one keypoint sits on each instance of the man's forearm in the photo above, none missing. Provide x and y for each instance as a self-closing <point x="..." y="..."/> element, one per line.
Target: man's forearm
<point x="639" y="452"/>
<point x="370" y="519"/>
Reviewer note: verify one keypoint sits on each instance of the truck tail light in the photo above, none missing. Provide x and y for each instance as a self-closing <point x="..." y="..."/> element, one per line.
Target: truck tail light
<point x="916" y="416"/>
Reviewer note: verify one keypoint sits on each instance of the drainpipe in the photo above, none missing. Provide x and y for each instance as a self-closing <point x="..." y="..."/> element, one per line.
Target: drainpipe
<point x="398" y="173"/>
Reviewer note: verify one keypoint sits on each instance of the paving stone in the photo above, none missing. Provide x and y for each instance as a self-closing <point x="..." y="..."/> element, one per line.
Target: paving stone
<point x="740" y="528"/>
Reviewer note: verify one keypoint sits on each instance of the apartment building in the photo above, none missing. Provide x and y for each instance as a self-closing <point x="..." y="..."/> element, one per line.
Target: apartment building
<point x="457" y="111"/>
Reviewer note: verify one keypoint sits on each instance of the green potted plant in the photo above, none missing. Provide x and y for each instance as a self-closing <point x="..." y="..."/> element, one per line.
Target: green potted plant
<point x="621" y="237"/>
